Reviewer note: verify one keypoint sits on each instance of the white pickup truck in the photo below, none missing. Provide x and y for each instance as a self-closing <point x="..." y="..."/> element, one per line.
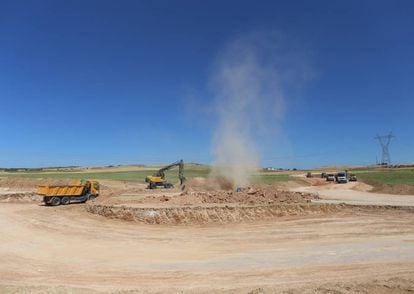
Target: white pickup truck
<point x="341" y="177"/>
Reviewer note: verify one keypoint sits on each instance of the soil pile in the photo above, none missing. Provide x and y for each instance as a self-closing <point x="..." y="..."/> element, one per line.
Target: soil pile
<point x="256" y="195"/>
<point x="20" y="197"/>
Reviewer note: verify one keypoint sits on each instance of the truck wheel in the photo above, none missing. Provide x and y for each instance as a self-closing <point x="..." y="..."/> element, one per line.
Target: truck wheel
<point x="86" y="198"/>
<point x="46" y="200"/>
<point x="65" y="201"/>
<point x="55" y="201"/>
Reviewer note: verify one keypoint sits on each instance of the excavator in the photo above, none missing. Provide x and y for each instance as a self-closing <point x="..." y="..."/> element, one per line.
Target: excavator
<point x="158" y="179"/>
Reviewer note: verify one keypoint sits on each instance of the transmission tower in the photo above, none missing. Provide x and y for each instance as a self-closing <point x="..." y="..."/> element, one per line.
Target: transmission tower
<point x="385" y="142"/>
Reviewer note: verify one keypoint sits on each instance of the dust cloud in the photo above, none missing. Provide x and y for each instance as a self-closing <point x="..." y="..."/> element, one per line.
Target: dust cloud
<point x="249" y="79"/>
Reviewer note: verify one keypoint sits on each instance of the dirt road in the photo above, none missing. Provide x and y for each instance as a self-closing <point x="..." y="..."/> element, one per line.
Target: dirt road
<point x="46" y="248"/>
<point x="350" y="194"/>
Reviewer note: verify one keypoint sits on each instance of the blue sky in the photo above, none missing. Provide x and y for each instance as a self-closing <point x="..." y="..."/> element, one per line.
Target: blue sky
<point x="110" y="82"/>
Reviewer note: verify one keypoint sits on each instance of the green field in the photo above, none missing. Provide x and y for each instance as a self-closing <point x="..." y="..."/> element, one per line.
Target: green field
<point x="269" y="178"/>
<point x="139" y="176"/>
<point x="391" y="176"/>
<point x="387" y="176"/>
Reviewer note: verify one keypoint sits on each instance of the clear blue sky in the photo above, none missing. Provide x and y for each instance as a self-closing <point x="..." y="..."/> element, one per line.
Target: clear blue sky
<point x="107" y="82"/>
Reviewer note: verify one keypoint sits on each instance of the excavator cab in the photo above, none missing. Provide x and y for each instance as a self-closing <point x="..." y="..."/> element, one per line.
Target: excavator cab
<point x="158" y="179"/>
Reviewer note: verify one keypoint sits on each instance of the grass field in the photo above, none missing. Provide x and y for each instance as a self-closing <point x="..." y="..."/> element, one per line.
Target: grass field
<point x="269" y="178"/>
<point x="391" y="176"/>
<point x="387" y="176"/>
<point x="139" y="175"/>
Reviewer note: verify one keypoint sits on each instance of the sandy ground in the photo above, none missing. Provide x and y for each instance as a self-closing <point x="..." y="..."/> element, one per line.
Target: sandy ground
<point x="354" y="193"/>
<point x="66" y="249"/>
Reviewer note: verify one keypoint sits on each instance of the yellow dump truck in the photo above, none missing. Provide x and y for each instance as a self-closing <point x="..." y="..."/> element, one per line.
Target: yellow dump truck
<point x="78" y="191"/>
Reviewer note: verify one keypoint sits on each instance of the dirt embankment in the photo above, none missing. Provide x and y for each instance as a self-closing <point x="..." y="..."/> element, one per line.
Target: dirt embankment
<point x="398" y="189"/>
<point x="15" y="197"/>
<point x="18" y="190"/>
<point x="207" y="214"/>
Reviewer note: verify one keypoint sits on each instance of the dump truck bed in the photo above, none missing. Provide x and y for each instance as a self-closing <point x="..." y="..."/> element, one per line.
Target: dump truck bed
<point x="61" y="190"/>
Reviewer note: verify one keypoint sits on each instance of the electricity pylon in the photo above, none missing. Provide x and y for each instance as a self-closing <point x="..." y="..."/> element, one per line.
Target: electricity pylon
<point x="385" y="142"/>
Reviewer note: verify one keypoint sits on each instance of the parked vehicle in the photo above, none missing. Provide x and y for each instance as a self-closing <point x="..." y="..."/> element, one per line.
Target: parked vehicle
<point x="341" y="177"/>
<point x="330" y="177"/>
<point x="352" y="178"/>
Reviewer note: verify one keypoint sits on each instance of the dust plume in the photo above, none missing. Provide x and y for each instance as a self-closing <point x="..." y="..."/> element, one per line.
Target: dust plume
<point x="249" y="80"/>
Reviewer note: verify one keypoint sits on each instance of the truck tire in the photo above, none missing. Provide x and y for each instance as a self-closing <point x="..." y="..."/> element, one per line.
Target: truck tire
<point x="65" y="200"/>
<point x="86" y="198"/>
<point x="46" y="200"/>
<point x="55" y="201"/>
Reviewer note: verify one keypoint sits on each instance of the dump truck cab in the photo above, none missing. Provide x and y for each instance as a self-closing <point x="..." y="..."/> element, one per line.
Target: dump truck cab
<point x="93" y="187"/>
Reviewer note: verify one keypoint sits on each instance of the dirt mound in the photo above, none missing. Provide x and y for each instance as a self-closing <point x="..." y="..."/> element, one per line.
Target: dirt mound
<point x="398" y="189"/>
<point x="20" y="197"/>
<point x="363" y="187"/>
<point x="264" y="194"/>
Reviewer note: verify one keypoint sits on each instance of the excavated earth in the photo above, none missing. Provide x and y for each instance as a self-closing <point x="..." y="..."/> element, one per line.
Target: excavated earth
<point x="201" y="207"/>
<point x="225" y="214"/>
<point x="261" y="202"/>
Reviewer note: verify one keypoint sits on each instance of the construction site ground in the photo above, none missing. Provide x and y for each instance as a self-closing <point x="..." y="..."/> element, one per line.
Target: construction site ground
<point x="263" y="239"/>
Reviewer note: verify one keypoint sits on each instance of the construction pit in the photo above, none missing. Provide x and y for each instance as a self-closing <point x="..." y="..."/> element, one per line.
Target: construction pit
<point x="207" y="238"/>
